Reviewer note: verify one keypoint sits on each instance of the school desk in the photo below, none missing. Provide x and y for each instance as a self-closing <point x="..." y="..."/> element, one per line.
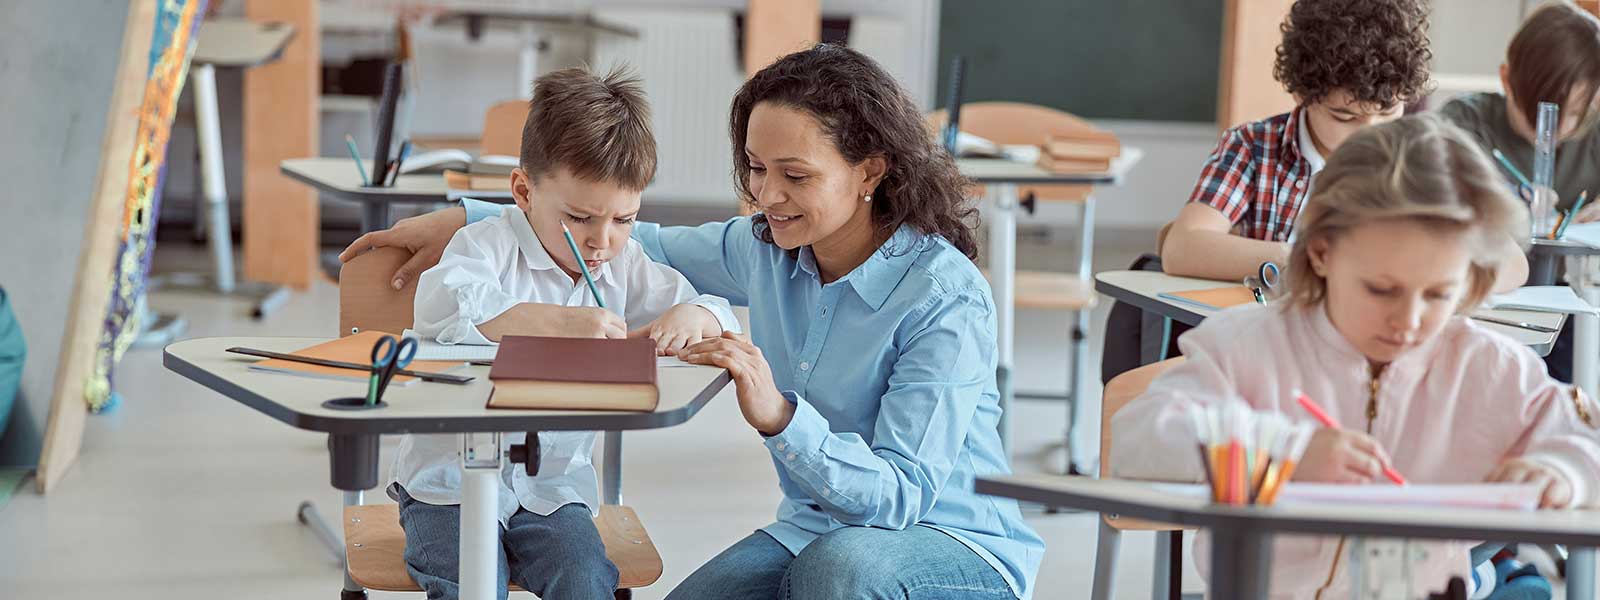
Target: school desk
<point x="1001" y="179"/>
<point x="1543" y="257"/>
<point x="429" y="408"/>
<point x="1241" y="557"/>
<point x="339" y="178"/>
<point x="1143" y="289"/>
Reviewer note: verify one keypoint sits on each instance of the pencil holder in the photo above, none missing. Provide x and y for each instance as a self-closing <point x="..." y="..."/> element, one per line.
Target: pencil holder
<point x="1247" y="455"/>
<point x="353" y="403"/>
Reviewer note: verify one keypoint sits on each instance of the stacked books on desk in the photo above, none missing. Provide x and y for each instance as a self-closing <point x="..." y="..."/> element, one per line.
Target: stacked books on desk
<point x="1086" y="150"/>
<point x="574" y="374"/>
<point x="1248" y="456"/>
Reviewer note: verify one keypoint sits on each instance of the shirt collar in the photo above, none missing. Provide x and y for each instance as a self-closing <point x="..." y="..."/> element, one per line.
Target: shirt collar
<point x="1290" y="142"/>
<point x="1308" y="146"/>
<point x="878" y="277"/>
<point x="533" y="252"/>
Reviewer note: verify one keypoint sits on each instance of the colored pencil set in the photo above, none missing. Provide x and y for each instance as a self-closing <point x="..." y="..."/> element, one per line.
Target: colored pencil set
<point x="1248" y="455"/>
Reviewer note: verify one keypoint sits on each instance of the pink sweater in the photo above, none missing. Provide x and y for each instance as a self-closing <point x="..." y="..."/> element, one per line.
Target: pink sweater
<point x="1448" y="411"/>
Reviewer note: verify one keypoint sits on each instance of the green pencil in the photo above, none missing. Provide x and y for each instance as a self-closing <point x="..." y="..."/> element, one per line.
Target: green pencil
<point x="350" y="142"/>
<point x="582" y="268"/>
<point x="1506" y="162"/>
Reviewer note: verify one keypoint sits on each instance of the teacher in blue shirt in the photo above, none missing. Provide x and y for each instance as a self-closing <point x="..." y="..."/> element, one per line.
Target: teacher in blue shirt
<point x="870" y="369"/>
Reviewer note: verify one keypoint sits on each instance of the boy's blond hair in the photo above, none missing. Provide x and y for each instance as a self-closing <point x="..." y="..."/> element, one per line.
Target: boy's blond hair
<point x="1417" y="168"/>
<point x="597" y="127"/>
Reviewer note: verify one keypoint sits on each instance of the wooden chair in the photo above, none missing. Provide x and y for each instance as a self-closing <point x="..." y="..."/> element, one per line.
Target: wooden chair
<point x="502" y="128"/>
<point x="374" y="542"/>
<point x="1169" y="547"/>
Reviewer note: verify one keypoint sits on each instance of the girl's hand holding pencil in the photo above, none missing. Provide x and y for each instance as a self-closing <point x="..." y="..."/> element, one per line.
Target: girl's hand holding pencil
<point x="1342" y="456"/>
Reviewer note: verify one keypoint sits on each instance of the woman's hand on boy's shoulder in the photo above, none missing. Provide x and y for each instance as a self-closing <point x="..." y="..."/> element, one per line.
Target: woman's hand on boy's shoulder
<point x="425" y="236"/>
<point x="1555" y="490"/>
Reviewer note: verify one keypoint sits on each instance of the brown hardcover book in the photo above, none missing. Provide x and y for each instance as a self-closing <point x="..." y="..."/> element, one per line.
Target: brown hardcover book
<point x="1082" y="148"/>
<point x="457" y="180"/>
<point x="1066" y="165"/>
<point x="574" y="374"/>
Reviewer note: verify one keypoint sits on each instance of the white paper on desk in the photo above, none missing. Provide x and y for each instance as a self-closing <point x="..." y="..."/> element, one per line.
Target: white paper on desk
<point x="1543" y="298"/>
<point x="1503" y="496"/>
<point x="430" y="350"/>
<point x="1587" y="234"/>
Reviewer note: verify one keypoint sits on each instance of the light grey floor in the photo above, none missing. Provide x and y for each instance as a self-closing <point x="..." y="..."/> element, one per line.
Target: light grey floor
<point x="180" y="493"/>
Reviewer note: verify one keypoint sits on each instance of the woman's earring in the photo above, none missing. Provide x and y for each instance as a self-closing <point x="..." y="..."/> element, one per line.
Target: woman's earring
<point x="866" y="198"/>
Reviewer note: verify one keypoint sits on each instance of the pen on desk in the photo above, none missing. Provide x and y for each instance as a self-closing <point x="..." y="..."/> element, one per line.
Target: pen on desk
<point x="1572" y="214"/>
<point x="391" y="173"/>
<point x="405" y="151"/>
<point x="355" y="154"/>
<point x="1510" y="168"/>
<point x="1518" y="324"/>
<point x="1316" y="411"/>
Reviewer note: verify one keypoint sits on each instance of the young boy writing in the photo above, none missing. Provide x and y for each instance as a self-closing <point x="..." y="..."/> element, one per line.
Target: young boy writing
<point x="587" y="152"/>
<point x="1348" y="64"/>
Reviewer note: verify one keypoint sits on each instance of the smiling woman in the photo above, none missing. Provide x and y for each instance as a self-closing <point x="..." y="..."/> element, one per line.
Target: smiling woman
<point x="870" y="368"/>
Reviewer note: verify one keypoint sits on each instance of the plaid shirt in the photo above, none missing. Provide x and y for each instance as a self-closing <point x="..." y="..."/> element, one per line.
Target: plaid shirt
<point x="1258" y="178"/>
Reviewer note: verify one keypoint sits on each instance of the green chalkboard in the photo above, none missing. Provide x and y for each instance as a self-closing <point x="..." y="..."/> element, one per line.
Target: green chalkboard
<point x="1117" y="59"/>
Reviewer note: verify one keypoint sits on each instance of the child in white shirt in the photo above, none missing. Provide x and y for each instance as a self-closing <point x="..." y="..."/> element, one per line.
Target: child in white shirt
<point x="587" y="153"/>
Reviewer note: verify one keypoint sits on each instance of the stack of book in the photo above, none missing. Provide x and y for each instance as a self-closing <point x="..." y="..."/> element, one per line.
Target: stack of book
<point x="1087" y="150"/>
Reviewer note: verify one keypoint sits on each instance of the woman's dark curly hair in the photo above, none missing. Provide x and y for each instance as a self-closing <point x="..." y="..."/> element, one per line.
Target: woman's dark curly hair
<point x="864" y="112"/>
<point x="1375" y="49"/>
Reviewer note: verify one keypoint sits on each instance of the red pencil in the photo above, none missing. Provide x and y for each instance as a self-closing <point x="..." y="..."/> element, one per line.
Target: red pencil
<point x="1316" y="411"/>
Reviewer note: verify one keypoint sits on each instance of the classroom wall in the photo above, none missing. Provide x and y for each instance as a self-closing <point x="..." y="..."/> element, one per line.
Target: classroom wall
<point x="59" y="62"/>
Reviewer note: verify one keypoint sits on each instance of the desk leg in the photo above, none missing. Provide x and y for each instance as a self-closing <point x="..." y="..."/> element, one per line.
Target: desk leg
<point x="208" y="133"/>
<point x="1152" y="337"/>
<point x="374" y="216"/>
<point x="1580" y="573"/>
<point x="1080" y="337"/>
<point x="1002" y="271"/>
<point x="480" y="516"/>
<point x="1586" y="328"/>
<point x="611" y="470"/>
<point x="1241" y="562"/>
<point x="1542" y="268"/>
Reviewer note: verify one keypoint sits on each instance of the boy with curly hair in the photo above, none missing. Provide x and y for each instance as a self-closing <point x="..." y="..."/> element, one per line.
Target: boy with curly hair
<point x="1348" y="64"/>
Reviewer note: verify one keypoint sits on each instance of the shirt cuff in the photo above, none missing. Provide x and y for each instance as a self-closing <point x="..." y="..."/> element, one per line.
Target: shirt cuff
<point x="478" y="210"/>
<point x="802" y="439"/>
<point x="477" y="304"/>
<point x="720" y="309"/>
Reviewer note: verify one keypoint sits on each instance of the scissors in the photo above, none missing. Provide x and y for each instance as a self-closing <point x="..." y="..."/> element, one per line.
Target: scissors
<point x="388" y="355"/>
<point x="1263" y="281"/>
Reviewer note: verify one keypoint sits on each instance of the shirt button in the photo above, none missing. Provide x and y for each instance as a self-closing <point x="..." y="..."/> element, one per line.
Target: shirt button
<point x="827" y="493"/>
<point x="1300" y="184"/>
<point x="781" y="446"/>
<point x="805" y="366"/>
<point x="790" y="457"/>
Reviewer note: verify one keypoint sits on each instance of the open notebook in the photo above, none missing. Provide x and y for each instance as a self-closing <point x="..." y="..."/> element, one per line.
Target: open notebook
<point x="1452" y="495"/>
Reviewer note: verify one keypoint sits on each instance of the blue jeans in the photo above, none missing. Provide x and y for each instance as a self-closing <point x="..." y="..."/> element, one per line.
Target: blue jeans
<point x="918" y="562"/>
<point x="559" y="556"/>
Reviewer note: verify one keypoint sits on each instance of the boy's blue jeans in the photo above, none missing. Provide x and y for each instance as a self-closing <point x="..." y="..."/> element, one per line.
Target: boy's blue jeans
<point x="559" y="556"/>
<point x="918" y="562"/>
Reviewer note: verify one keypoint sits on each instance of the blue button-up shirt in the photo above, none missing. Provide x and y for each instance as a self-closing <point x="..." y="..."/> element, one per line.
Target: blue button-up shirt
<point x="891" y="369"/>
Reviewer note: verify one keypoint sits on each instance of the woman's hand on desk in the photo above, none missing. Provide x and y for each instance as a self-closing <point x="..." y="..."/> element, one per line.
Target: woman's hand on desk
<point x="1556" y="490"/>
<point x="1342" y="456"/>
<point x="550" y="320"/>
<point x="764" y="407"/>
<point x="424" y="235"/>
<point x="681" y="326"/>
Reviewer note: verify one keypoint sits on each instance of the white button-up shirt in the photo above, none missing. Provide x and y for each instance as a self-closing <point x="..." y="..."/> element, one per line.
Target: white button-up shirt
<point x="489" y="267"/>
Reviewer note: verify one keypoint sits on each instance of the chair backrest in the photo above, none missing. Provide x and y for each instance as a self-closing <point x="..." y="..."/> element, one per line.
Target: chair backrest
<point x="1019" y="123"/>
<point x="502" y="128"/>
<point x="367" y="301"/>
<point x="1121" y="390"/>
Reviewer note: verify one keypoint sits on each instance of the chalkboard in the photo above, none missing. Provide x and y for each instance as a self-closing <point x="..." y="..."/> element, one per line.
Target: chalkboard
<point x="1124" y="59"/>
